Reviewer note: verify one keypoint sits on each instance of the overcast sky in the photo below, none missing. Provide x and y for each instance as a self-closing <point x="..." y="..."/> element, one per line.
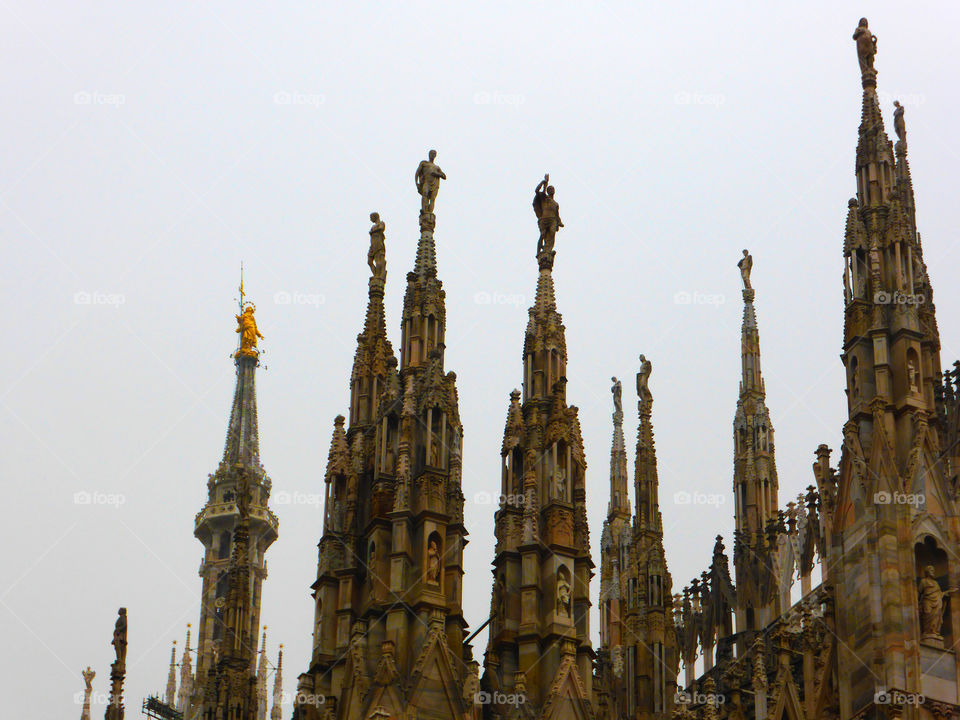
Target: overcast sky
<point x="148" y="148"/>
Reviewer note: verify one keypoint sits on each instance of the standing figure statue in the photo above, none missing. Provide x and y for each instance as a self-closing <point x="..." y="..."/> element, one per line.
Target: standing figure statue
<point x="931" y="604"/>
<point x="617" y="391"/>
<point x="119" y="641"/>
<point x="899" y="126"/>
<point x="563" y="595"/>
<point x="433" y="562"/>
<point x="377" y="256"/>
<point x="746" y="265"/>
<point x="866" y="45"/>
<point x="88" y="676"/>
<point x="548" y="215"/>
<point x="247" y="327"/>
<point x="643" y="379"/>
<point x="428" y="179"/>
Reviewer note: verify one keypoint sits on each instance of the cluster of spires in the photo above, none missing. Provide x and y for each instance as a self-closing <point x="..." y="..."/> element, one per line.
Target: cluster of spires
<point x="702" y="614"/>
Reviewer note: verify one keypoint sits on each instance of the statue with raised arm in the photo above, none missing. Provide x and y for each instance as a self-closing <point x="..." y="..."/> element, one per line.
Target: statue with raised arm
<point x="617" y="391"/>
<point x="247" y="327"/>
<point x="931" y="604"/>
<point x="746" y="265"/>
<point x="643" y="379"/>
<point x="866" y="45"/>
<point x="88" y="676"/>
<point x="377" y="256"/>
<point x="548" y="215"/>
<point x="898" y="123"/>
<point x="428" y="179"/>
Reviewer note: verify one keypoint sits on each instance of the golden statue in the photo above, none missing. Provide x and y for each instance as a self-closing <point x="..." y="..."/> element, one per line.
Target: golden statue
<point x="247" y="327"/>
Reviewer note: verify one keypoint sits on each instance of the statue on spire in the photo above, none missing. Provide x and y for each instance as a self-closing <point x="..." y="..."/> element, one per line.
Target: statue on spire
<point x="746" y="265"/>
<point x="247" y="327"/>
<point x="427" y="178"/>
<point x="377" y="256"/>
<point x="643" y="380"/>
<point x="548" y="215"/>
<point x="898" y="122"/>
<point x="617" y="391"/>
<point x="866" y="45"/>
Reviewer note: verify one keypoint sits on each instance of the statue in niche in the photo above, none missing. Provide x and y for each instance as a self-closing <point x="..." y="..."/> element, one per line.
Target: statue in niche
<point x="433" y="562"/>
<point x="617" y="391"/>
<point x="899" y="125"/>
<point x="434" y="453"/>
<point x="931" y="604"/>
<point x="643" y="379"/>
<point x="427" y="178"/>
<point x="913" y="375"/>
<point x="377" y="255"/>
<point x="866" y="45"/>
<point x="746" y="265"/>
<point x="499" y="596"/>
<point x="563" y="595"/>
<point x="548" y="215"/>
<point x="560" y="483"/>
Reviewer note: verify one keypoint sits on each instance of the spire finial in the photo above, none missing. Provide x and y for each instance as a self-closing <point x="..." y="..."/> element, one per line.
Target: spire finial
<point x="247" y="325"/>
<point x="866" y="51"/>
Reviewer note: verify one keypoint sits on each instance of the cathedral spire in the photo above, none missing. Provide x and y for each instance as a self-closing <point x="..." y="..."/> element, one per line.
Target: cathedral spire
<point x="171" y="695"/>
<point x="647" y="483"/>
<point x="372" y="360"/>
<point x="262" y="678"/>
<point x="184" y="695"/>
<point x="240" y="475"/>
<point x="275" y="712"/>
<point x="424" y="312"/>
<point x="619" y="500"/>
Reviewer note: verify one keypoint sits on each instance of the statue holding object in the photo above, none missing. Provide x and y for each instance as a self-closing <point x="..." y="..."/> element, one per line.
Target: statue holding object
<point x="548" y="215"/>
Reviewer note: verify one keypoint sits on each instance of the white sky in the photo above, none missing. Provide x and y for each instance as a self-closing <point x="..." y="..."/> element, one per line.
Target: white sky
<point x="145" y="154"/>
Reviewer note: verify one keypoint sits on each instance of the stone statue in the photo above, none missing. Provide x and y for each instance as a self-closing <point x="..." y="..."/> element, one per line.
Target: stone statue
<point x="866" y="45"/>
<point x="428" y="179"/>
<point x="563" y="596"/>
<point x="548" y="215"/>
<point x="643" y="379"/>
<point x="746" y="265"/>
<point x="560" y="483"/>
<point x="119" y="641"/>
<point x="898" y="123"/>
<point x="377" y="256"/>
<point x="499" y="594"/>
<point x="617" y="391"/>
<point x="433" y="562"/>
<point x="88" y="676"/>
<point x="247" y="327"/>
<point x="912" y="374"/>
<point x="931" y="604"/>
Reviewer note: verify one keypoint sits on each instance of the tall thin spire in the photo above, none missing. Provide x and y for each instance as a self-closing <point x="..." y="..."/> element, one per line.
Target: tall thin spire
<point x="275" y="712"/>
<point x="184" y="695"/>
<point x="646" y="478"/>
<point x="172" y="677"/>
<point x="619" y="500"/>
<point x="262" y="678"/>
<point x="118" y="668"/>
<point x="88" y="676"/>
